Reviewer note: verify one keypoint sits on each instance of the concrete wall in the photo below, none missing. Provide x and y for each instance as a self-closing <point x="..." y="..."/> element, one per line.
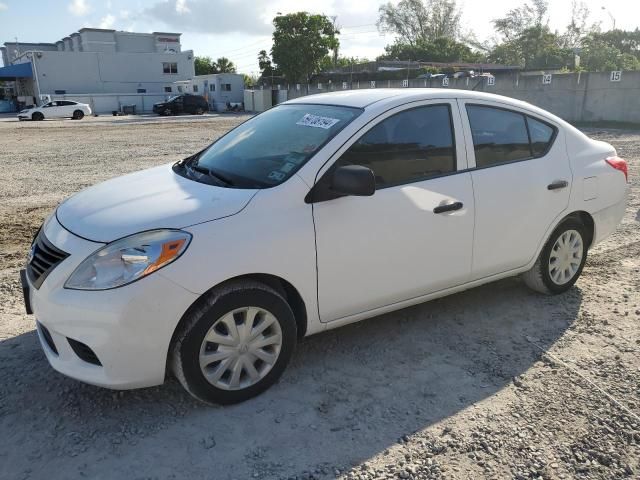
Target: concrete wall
<point x="107" y="103"/>
<point x="134" y="42"/>
<point x="575" y="97"/>
<point x="100" y="72"/>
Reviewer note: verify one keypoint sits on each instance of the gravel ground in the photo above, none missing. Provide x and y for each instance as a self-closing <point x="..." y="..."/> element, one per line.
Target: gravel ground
<point x="495" y="382"/>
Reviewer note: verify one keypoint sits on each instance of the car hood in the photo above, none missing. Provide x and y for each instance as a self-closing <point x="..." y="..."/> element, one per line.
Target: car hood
<point x="146" y="200"/>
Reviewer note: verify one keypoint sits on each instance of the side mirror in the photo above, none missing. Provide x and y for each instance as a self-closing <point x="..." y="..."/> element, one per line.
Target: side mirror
<point x="353" y="180"/>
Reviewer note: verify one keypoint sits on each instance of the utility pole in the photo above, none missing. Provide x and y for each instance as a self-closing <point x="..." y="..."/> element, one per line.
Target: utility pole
<point x="335" y="50"/>
<point x="351" y="76"/>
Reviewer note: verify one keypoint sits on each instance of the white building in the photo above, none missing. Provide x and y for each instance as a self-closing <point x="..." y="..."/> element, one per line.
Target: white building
<point x="99" y="61"/>
<point x="220" y="89"/>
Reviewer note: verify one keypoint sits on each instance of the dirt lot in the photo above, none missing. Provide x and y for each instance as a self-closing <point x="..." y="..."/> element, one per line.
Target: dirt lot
<point x="496" y="382"/>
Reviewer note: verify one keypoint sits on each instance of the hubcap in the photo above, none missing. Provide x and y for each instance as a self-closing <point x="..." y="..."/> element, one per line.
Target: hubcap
<point x="241" y="348"/>
<point x="566" y="256"/>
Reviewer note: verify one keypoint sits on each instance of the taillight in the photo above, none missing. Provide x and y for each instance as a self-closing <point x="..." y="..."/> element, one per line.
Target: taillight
<point x="619" y="164"/>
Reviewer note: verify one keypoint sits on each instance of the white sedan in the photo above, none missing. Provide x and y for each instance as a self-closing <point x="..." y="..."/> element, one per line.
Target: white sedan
<point x="320" y="212"/>
<point x="56" y="109"/>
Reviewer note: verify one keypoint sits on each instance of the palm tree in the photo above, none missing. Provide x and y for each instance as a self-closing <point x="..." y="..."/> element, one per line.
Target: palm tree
<point x="225" y="65"/>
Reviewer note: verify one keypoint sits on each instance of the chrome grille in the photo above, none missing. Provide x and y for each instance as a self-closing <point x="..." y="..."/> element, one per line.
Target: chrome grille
<point x="43" y="258"/>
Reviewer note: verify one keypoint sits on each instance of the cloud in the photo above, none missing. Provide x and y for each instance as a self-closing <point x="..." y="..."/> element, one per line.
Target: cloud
<point x="3" y="6"/>
<point x="204" y="16"/>
<point x="181" y="7"/>
<point x="107" y="21"/>
<point x="79" y="8"/>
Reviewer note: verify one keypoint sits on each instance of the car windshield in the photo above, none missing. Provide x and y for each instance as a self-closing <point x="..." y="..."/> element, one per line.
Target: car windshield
<point x="269" y="148"/>
<point x="171" y="99"/>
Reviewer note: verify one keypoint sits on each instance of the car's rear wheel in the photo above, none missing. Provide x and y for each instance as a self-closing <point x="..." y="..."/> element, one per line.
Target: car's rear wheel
<point x="235" y="344"/>
<point x="37" y="116"/>
<point x="78" y="115"/>
<point x="561" y="260"/>
<point x="199" y="111"/>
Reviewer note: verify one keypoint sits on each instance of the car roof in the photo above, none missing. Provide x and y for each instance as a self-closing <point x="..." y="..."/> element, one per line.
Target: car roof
<point x="392" y="97"/>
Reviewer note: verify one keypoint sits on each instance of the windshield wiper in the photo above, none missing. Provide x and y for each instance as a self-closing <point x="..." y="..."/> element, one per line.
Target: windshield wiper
<point x="226" y="181"/>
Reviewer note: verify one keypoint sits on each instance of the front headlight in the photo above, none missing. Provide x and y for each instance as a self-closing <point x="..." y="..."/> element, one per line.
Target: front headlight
<point x="128" y="259"/>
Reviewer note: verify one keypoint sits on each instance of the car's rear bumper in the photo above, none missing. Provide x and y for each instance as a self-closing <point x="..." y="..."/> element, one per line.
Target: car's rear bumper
<point x="608" y="219"/>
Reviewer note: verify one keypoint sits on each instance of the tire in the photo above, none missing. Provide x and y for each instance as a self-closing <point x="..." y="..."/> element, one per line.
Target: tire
<point x="78" y="115"/>
<point x="37" y="116"/>
<point x="549" y="279"/>
<point x="199" y="111"/>
<point x="208" y="318"/>
<point x="167" y="112"/>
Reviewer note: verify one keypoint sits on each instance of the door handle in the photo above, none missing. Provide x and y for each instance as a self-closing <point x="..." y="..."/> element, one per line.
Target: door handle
<point x="449" y="207"/>
<point x="557" y="185"/>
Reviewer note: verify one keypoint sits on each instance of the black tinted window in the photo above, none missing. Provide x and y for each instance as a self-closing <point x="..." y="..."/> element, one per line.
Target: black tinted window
<point x="406" y="147"/>
<point x="541" y="136"/>
<point x="498" y="135"/>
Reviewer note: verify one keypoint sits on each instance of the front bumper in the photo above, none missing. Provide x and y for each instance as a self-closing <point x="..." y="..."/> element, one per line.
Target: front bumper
<point x="129" y="329"/>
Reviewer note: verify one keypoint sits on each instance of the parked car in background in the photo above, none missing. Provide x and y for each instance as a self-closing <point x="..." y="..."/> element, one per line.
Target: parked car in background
<point x="185" y="103"/>
<point x="322" y="211"/>
<point x="56" y="109"/>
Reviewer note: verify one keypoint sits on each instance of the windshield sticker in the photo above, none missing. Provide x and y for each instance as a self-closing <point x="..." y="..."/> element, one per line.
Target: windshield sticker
<point x="275" y="175"/>
<point x="287" y="167"/>
<point x="310" y="120"/>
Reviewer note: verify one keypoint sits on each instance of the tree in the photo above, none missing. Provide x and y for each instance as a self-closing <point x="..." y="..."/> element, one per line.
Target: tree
<point x="416" y="21"/>
<point x="224" y="65"/>
<point x="578" y="28"/>
<point x="520" y="19"/>
<point x="300" y="42"/>
<point x="600" y="53"/>
<point x="205" y="66"/>
<point x="536" y="47"/>
<point x="441" y="49"/>
<point x="264" y="63"/>
<point x="329" y="63"/>
<point x="249" y="80"/>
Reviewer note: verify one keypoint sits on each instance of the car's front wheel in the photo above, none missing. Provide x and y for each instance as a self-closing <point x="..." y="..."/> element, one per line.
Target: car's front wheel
<point x="561" y="260"/>
<point x="37" y="116"/>
<point x="235" y="344"/>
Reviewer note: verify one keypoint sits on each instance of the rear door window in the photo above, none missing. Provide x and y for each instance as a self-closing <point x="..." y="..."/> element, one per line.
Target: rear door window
<point x="499" y="136"/>
<point x="541" y="136"/>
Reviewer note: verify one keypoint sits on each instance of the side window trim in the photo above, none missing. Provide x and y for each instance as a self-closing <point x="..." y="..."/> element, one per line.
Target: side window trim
<point x="469" y="142"/>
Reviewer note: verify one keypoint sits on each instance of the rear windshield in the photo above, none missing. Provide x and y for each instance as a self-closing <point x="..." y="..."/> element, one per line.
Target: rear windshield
<point x="269" y="148"/>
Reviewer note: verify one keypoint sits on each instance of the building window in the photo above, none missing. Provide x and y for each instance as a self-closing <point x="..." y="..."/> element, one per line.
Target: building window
<point x="169" y="67"/>
<point x="180" y="88"/>
<point x="195" y="88"/>
<point x="60" y="92"/>
<point x="212" y="87"/>
<point x="167" y="89"/>
<point x="142" y="90"/>
<point x="225" y="87"/>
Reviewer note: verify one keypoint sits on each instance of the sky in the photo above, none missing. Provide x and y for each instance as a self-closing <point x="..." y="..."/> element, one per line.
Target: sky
<point x="238" y="29"/>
